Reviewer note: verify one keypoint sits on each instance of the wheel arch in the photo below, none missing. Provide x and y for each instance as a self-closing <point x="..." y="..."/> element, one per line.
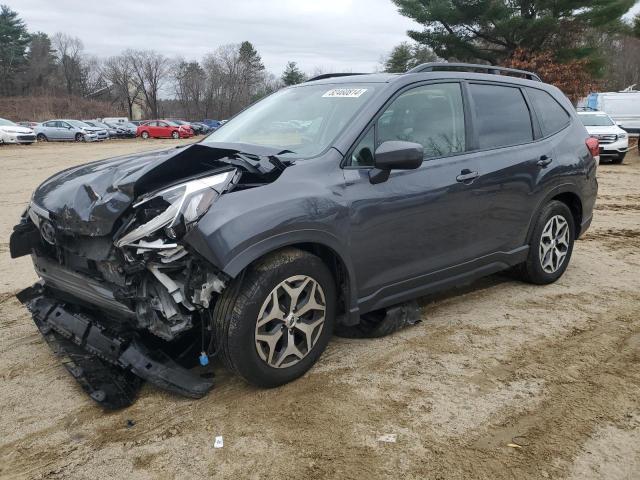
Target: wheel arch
<point x="566" y="194"/>
<point x="326" y="247"/>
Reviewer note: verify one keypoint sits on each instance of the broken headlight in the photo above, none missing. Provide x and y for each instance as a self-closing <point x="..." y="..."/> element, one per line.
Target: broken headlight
<point x="176" y="208"/>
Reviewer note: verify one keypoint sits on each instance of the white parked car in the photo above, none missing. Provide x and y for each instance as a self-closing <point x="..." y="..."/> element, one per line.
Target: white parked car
<point x="614" y="141"/>
<point x="13" y="133"/>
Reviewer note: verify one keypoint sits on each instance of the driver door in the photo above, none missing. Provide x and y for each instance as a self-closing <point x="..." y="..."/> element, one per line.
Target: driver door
<point x="418" y="222"/>
<point x="66" y="132"/>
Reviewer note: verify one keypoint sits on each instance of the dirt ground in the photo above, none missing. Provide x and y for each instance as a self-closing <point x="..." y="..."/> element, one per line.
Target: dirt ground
<point x="554" y="369"/>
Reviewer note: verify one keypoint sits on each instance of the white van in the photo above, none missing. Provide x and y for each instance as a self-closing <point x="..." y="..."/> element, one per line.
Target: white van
<point x="623" y="107"/>
<point x="115" y="120"/>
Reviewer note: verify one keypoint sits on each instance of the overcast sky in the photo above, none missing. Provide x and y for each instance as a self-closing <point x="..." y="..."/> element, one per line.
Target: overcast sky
<point x="335" y="35"/>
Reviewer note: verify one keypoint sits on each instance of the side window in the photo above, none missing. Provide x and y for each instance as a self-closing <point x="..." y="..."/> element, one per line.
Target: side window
<point x="502" y="116"/>
<point x="362" y="156"/>
<point x="432" y="115"/>
<point x="552" y="116"/>
<point x="49" y="124"/>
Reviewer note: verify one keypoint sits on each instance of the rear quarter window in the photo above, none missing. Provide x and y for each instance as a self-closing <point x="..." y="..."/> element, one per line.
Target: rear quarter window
<point x="551" y="115"/>
<point x="502" y="116"/>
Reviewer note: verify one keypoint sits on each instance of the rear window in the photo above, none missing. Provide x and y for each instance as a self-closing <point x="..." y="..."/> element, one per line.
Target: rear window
<point x="551" y="115"/>
<point x="502" y="116"/>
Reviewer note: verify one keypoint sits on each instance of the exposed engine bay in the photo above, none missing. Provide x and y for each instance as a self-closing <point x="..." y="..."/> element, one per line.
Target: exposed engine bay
<point x="107" y="241"/>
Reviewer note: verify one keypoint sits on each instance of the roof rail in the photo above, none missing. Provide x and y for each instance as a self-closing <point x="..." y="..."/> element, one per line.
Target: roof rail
<point x="331" y="75"/>
<point x="492" y="69"/>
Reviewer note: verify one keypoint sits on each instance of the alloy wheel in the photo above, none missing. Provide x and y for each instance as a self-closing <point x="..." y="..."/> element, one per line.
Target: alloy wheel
<point x="290" y="321"/>
<point x="554" y="244"/>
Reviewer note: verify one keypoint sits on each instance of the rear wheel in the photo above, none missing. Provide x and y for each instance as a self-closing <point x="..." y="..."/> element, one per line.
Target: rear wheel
<point x="41" y="137"/>
<point x="144" y="135"/>
<point x="551" y="245"/>
<point x="175" y="135"/>
<point x="273" y="323"/>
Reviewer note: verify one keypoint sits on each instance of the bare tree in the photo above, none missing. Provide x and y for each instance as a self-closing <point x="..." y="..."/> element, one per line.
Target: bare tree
<point x="622" y="54"/>
<point x="69" y="54"/>
<point x="118" y="71"/>
<point x="235" y="76"/>
<point x="190" y="82"/>
<point x="150" y="72"/>
<point x="92" y="77"/>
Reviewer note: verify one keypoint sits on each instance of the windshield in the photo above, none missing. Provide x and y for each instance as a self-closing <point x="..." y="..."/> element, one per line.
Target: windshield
<point x="6" y="123"/>
<point x="304" y="120"/>
<point x="595" y="120"/>
<point x="78" y="123"/>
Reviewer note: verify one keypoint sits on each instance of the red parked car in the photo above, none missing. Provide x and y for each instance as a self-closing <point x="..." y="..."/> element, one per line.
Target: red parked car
<point x="163" y="129"/>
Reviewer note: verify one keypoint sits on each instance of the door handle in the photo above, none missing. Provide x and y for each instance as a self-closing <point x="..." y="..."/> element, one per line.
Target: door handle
<point x="467" y="175"/>
<point x="544" y="161"/>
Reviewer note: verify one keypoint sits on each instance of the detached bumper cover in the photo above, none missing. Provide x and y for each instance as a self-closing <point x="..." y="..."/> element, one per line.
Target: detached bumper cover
<point x="108" y="366"/>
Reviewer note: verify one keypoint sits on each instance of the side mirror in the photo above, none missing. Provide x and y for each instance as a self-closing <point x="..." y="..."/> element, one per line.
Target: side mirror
<point x="395" y="155"/>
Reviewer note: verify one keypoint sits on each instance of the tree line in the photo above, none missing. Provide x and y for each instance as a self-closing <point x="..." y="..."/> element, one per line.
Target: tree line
<point x="579" y="45"/>
<point x="221" y="84"/>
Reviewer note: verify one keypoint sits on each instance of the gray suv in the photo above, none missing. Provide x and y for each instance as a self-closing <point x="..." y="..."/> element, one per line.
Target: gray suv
<point x="324" y="207"/>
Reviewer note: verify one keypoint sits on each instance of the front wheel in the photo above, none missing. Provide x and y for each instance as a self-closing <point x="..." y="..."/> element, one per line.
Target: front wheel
<point x="175" y="135"/>
<point x="80" y="137"/>
<point x="551" y="245"/>
<point x="144" y="135"/>
<point x="273" y="323"/>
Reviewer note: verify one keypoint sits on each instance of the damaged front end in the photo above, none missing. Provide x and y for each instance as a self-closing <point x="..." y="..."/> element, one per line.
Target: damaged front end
<point x="133" y="303"/>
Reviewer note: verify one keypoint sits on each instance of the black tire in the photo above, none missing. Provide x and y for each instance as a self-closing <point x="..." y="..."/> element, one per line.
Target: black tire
<point x="531" y="270"/>
<point x="144" y="135"/>
<point x="236" y="313"/>
<point x="618" y="159"/>
<point x="175" y="135"/>
<point x="41" y="137"/>
<point x="80" y="137"/>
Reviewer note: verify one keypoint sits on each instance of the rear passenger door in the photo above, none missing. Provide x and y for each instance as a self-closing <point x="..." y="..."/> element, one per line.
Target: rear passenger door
<point x="509" y="160"/>
<point x="50" y="130"/>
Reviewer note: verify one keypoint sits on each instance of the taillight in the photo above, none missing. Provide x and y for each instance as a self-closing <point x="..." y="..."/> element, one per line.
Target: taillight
<point x="593" y="145"/>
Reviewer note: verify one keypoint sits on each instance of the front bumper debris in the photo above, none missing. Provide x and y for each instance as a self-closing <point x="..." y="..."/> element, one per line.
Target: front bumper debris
<point x="109" y="366"/>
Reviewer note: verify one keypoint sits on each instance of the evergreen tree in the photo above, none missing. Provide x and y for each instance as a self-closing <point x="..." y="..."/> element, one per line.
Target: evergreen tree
<point x="405" y="56"/>
<point x="40" y="64"/>
<point x="492" y="30"/>
<point x="292" y="75"/>
<point x="14" y="40"/>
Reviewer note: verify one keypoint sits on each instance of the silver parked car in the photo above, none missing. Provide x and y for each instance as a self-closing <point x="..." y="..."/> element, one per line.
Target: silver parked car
<point x="65" y="130"/>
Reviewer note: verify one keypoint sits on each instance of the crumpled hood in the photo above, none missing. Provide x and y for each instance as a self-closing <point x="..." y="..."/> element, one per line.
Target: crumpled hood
<point x="89" y="199"/>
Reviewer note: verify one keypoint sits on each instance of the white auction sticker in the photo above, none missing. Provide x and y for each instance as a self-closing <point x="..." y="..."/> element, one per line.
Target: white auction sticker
<point x="345" y="93"/>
